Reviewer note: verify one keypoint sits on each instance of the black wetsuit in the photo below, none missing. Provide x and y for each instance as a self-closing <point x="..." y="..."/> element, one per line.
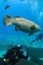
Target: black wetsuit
<point x="15" y="58"/>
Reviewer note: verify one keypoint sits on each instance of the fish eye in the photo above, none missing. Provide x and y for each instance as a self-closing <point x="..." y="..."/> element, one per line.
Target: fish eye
<point x="33" y="27"/>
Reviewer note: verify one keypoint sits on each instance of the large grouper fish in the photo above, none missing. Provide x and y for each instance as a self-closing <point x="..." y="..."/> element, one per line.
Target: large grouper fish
<point x="22" y="24"/>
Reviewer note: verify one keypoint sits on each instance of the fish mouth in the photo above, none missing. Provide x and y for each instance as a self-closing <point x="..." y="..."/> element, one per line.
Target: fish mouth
<point x="39" y="29"/>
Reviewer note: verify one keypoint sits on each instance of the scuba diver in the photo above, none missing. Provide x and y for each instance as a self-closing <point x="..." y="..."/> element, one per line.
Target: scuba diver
<point x="14" y="54"/>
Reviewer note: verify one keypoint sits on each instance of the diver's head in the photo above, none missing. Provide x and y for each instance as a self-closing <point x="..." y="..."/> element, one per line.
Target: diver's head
<point x="20" y="46"/>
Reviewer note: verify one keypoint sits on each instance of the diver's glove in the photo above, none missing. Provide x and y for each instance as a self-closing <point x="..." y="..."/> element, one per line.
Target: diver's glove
<point x="6" y="61"/>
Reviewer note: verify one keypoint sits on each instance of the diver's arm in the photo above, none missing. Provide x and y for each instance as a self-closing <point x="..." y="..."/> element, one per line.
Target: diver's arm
<point x="25" y="57"/>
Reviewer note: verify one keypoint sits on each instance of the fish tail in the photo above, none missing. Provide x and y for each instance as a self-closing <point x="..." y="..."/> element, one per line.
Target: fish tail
<point x="7" y="20"/>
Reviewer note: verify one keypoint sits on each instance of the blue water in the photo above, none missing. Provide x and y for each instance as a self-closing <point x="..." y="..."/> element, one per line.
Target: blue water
<point x="29" y="9"/>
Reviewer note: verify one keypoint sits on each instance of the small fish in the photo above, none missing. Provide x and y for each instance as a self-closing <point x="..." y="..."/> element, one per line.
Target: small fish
<point x="7" y="7"/>
<point x="39" y="37"/>
<point x="22" y="24"/>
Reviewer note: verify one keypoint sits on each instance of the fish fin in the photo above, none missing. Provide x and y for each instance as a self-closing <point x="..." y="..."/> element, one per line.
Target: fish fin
<point x="17" y="17"/>
<point x="30" y="34"/>
<point x="33" y="27"/>
<point x="16" y="28"/>
<point x="7" y="16"/>
<point x="7" y="20"/>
